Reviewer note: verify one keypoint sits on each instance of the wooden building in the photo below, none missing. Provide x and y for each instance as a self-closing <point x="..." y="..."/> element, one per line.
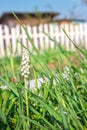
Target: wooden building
<point x="27" y="18"/>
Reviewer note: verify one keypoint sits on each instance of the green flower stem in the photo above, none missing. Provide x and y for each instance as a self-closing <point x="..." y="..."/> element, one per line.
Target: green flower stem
<point x="27" y="99"/>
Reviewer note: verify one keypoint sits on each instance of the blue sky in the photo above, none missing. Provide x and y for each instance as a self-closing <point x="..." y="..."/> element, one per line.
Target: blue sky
<point x="67" y="8"/>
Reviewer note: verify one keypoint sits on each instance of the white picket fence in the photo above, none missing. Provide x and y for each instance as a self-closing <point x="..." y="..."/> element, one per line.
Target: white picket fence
<point x="9" y="37"/>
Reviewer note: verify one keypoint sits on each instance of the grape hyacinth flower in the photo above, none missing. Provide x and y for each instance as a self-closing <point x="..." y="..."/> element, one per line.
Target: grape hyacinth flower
<point x="25" y="71"/>
<point x="25" y="67"/>
<point x="66" y="73"/>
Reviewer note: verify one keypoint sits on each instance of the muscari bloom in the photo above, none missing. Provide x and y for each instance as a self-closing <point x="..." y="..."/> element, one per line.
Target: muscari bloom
<point x="66" y="73"/>
<point x="25" y="66"/>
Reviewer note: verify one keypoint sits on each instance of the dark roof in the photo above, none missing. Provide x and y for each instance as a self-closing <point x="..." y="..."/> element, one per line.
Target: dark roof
<point x="30" y="14"/>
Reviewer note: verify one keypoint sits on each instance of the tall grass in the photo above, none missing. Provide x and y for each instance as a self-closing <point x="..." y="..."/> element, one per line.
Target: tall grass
<point x="61" y="101"/>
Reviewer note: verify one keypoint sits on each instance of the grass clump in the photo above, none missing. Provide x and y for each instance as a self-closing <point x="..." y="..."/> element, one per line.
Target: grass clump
<point x="60" y="103"/>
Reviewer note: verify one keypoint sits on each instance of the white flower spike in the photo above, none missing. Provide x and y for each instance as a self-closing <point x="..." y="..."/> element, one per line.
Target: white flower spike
<point x="25" y="66"/>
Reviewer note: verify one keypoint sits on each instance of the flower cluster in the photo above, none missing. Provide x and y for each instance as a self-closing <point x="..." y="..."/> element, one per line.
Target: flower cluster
<point x="66" y="73"/>
<point x="25" y="67"/>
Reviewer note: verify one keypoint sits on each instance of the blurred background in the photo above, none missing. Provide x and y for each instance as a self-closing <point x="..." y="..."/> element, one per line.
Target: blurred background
<point x="66" y="8"/>
<point x="48" y="16"/>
